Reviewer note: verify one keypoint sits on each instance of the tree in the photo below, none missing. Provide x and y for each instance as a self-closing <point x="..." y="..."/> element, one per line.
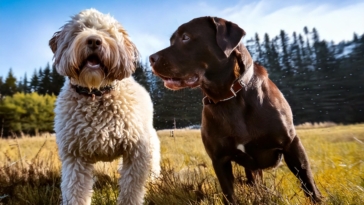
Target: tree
<point x="271" y="57"/>
<point x="1" y="87"/>
<point x="141" y="75"/>
<point x="34" y="82"/>
<point x="57" y="81"/>
<point x="250" y="46"/>
<point x="295" y="51"/>
<point x="184" y="106"/>
<point x="324" y="58"/>
<point x="23" y="85"/>
<point x="29" y="113"/>
<point x="305" y="55"/>
<point x="355" y="39"/>
<point x="315" y="36"/>
<point x="258" y="48"/>
<point x="45" y="83"/>
<point x="286" y="60"/>
<point x="9" y="88"/>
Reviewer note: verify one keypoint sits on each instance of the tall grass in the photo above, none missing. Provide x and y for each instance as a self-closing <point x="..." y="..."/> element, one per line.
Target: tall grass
<point x="30" y="171"/>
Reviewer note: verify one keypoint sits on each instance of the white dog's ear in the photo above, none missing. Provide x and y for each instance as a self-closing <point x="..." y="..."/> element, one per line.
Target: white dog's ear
<point x="228" y="35"/>
<point x="131" y="57"/>
<point x="53" y="41"/>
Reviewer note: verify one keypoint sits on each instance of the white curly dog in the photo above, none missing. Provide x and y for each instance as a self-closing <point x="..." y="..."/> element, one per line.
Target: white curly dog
<point x="101" y="112"/>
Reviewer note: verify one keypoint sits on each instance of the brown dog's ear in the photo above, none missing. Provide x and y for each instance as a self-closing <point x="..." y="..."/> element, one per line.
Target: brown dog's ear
<point x="53" y="41"/>
<point x="228" y="35"/>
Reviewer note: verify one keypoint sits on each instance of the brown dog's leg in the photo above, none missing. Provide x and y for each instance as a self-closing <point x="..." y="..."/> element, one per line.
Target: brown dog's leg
<point x="245" y="160"/>
<point x="296" y="159"/>
<point x="253" y="176"/>
<point x="224" y="173"/>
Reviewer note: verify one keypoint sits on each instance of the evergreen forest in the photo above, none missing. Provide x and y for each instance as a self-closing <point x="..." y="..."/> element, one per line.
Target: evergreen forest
<point x="321" y="80"/>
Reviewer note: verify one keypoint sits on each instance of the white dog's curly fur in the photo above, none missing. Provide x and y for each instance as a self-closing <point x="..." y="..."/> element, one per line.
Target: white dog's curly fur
<point x="95" y="53"/>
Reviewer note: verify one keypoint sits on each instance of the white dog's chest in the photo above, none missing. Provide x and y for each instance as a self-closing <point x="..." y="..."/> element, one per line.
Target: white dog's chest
<point x="97" y="130"/>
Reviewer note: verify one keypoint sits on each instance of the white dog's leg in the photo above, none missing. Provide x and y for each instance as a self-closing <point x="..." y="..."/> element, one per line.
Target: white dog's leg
<point x="76" y="182"/>
<point x="156" y="156"/>
<point x="134" y="172"/>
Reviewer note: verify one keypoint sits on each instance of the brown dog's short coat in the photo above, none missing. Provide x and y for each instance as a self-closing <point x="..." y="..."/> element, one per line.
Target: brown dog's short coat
<point x="245" y="118"/>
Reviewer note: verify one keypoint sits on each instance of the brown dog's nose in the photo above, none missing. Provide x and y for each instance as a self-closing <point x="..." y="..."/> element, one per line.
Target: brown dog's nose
<point x="153" y="59"/>
<point x="94" y="42"/>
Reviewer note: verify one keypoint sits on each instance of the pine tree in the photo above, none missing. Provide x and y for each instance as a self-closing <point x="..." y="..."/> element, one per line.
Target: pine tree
<point x="34" y="82"/>
<point x="57" y="81"/>
<point x="308" y="51"/>
<point x="315" y="36"/>
<point x="9" y="87"/>
<point x="45" y="83"/>
<point x="305" y="55"/>
<point x="19" y="85"/>
<point x="355" y="39"/>
<point x="271" y="58"/>
<point x="323" y="56"/>
<point x="40" y="79"/>
<point x="250" y="46"/>
<point x="24" y="85"/>
<point x="140" y="75"/>
<point x="258" y="49"/>
<point x="1" y="88"/>
<point x="295" y="51"/>
<point x="267" y="52"/>
<point x="286" y="60"/>
<point x="355" y="75"/>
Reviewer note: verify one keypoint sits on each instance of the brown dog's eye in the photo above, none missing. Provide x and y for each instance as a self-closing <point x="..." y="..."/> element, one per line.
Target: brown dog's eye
<point x="185" y="38"/>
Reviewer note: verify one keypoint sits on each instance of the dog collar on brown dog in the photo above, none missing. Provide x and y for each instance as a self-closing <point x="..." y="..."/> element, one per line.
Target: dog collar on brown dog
<point x="236" y="87"/>
<point x="92" y="92"/>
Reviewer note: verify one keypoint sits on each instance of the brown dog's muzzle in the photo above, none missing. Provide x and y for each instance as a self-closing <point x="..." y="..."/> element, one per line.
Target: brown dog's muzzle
<point x="153" y="59"/>
<point x="174" y="78"/>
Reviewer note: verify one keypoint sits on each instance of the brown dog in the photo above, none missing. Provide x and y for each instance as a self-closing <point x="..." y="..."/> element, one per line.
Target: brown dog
<point x="245" y="118"/>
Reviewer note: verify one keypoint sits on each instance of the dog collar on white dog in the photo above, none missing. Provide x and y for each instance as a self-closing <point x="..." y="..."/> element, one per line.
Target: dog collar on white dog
<point x="92" y="92"/>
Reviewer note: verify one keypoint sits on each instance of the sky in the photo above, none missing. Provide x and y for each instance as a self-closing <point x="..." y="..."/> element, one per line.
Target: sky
<point x="26" y="26"/>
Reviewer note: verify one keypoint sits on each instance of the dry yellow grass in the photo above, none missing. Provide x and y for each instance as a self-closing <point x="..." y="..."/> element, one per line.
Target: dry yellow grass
<point x="29" y="171"/>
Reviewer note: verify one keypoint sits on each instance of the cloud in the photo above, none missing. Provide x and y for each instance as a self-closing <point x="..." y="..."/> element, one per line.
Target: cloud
<point x="148" y="44"/>
<point x="335" y="23"/>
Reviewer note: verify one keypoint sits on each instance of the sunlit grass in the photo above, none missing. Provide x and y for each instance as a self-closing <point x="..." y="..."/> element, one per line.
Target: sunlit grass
<point x="30" y="171"/>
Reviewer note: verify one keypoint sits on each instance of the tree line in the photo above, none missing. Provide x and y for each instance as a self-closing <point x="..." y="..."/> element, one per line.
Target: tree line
<point x="321" y="80"/>
<point x="26" y="105"/>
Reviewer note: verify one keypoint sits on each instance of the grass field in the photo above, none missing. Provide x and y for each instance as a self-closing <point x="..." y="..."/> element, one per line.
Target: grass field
<point x="30" y="171"/>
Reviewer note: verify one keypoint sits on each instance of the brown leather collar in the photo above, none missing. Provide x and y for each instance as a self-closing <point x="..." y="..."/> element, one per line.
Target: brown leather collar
<point x="237" y="86"/>
<point x="92" y="92"/>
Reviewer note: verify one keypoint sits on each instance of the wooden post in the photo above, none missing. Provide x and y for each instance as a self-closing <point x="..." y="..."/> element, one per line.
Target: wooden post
<point x="174" y="128"/>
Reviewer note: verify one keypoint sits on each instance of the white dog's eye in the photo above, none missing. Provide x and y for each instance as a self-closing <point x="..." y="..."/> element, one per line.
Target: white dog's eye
<point x="185" y="38"/>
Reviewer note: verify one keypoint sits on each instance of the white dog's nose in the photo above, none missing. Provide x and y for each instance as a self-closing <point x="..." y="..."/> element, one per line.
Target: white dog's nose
<point x="94" y="42"/>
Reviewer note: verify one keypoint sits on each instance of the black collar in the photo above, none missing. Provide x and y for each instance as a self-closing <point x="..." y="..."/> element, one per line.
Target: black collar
<point x="237" y="86"/>
<point x="92" y="92"/>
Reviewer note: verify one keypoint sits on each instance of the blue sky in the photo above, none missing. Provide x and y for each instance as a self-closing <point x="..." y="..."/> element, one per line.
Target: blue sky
<point x="26" y="26"/>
